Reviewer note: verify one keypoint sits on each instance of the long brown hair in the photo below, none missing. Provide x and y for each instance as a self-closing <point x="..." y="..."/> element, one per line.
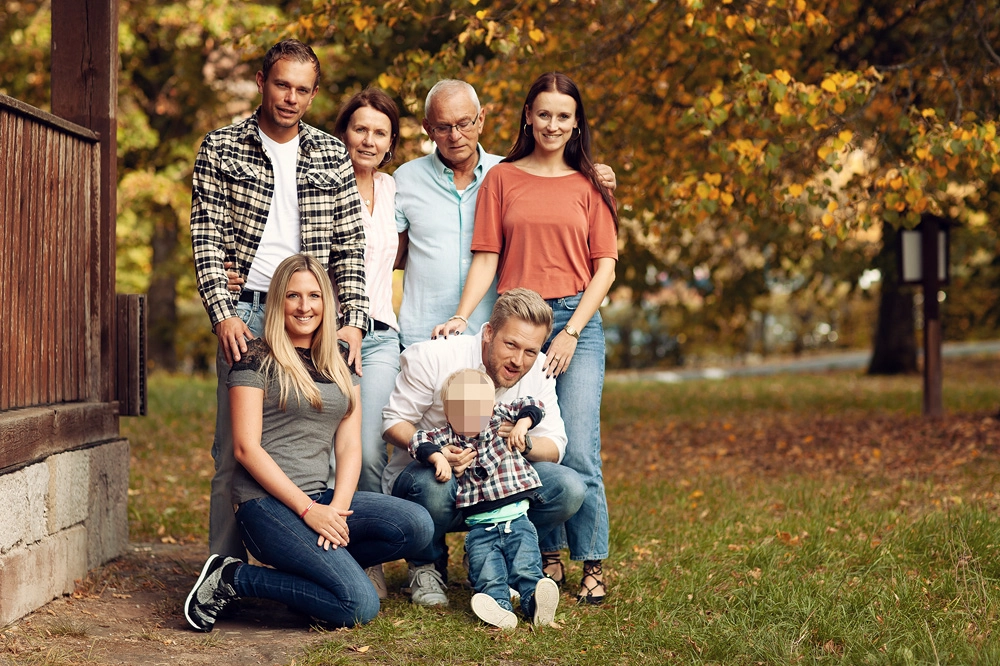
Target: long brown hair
<point x="577" y="151"/>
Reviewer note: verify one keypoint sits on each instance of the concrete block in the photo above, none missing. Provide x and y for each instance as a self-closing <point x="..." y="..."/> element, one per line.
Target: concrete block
<point x="69" y="483"/>
<point x="31" y="576"/>
<point x="23" y="506"/>
<point x="107" y="520"/>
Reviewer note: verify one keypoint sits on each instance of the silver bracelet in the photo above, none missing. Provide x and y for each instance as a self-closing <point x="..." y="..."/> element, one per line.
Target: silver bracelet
<point x="459" y="317"/>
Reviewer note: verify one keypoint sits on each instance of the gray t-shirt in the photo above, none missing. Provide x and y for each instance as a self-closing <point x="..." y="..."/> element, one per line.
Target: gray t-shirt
<point x="299" y="438"/>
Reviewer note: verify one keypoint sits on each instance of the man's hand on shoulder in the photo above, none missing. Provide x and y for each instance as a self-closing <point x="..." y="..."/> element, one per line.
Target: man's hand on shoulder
<point x="233" y="335"/>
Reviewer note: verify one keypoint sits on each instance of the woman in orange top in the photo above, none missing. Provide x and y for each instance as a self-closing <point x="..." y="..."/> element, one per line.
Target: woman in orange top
<point x="544" y="221"/>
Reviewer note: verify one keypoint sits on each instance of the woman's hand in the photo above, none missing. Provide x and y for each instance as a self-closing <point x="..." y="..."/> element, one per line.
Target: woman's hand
<point x="331" y="525"/>
<point x="454" y="326"/>
<point x="235" y="281"/>
<point x="559" y="354"/>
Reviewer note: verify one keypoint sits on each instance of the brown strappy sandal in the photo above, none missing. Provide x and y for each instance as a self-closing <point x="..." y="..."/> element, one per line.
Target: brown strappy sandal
<point x="591" y="569"/>
<point x="550" y="560"/>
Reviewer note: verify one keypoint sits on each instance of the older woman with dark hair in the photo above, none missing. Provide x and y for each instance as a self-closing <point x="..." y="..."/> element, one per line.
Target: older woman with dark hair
<point x="546" y="222"/>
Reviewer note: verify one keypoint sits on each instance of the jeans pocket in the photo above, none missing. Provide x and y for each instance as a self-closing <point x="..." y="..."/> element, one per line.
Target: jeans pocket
<point x="244" y="311"/>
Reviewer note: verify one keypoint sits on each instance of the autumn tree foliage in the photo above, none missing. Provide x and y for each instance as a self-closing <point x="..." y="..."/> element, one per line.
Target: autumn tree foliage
<point x="761" y="146"/>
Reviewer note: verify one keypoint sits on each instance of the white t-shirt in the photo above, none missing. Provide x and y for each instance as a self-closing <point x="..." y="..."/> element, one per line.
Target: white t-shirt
<point x="416" y="399"/>
<point x="281" y="238"/>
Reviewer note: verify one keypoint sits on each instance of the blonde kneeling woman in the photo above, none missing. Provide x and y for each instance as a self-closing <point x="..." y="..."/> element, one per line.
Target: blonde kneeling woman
<point x="292" y="397"/>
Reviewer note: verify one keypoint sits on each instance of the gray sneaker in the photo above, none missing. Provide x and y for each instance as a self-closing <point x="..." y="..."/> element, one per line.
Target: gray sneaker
<point x="209" y="595"/>
<point x="426" y="586"/>
<point x="377" y="577"/>
<point x="489" y="611"/>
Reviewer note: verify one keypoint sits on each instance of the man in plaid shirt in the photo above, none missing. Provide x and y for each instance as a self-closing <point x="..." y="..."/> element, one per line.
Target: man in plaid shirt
<point x="264" y="189"/>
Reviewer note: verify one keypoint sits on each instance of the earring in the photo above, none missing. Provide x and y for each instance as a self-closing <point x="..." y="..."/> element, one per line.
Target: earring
<point x="578" y="132"/>
<point x="525" y="130"/>
<point x="388" y="156"/>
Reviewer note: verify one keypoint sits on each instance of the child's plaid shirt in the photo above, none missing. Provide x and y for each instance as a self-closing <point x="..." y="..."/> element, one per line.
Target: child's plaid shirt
<point x="498" y="471"/>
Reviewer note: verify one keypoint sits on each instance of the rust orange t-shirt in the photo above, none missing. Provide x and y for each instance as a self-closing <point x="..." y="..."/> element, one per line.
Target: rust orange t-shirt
<point x="547" y="231"/>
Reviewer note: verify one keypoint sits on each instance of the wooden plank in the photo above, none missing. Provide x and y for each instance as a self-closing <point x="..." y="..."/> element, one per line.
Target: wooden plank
<point x="32" y="434"/>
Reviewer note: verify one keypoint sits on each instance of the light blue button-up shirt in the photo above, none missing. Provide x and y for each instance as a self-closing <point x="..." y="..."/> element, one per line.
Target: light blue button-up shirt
<point x="439" y="221"/>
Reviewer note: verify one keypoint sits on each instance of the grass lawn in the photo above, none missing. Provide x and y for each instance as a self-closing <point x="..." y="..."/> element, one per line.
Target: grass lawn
<point x="776" y="520"/>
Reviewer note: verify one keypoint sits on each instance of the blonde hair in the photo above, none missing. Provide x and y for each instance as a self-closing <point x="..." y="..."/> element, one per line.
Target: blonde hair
<point x="469" y="374"/>
<point x="523" y="304"/>
<point x="286" y="363"/>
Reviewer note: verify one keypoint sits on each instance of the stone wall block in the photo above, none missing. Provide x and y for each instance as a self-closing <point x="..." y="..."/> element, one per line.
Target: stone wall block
<point x="107" y="524"/>
<point x="31" y="576"/>
<point x="69" y="483"/>
<point x="23" y="507"/>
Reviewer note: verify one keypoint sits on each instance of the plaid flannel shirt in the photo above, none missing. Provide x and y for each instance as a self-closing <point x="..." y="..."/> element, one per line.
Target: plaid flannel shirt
<point x="231" y="194"/>
<point x="498" y="471"/>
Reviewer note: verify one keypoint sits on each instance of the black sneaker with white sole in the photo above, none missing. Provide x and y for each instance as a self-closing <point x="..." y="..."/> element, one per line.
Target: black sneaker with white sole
<point x="210" y="594"/>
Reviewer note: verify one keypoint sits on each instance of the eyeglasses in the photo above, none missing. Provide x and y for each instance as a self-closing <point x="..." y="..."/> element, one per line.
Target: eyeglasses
<point x="464" y="126"/>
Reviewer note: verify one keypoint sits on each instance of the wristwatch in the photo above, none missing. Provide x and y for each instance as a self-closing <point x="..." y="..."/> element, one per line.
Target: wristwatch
<point x="527" y="445"/>
<point x="572" y="331"/>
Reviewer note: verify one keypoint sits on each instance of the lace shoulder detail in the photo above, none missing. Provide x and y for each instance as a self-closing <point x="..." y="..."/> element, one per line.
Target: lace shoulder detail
<point x="253" y="359"/>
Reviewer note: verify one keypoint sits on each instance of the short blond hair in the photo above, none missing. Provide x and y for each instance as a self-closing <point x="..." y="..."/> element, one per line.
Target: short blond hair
<point x="523" y="304"/>
<point x="470" y="374"/>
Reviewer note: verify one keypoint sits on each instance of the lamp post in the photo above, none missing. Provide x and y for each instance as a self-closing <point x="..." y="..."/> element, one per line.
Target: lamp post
<point x="924" y="260"/>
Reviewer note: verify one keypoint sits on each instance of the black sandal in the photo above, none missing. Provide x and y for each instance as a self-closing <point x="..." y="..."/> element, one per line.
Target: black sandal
<point x="591" y="569"/>
<point x="552" y="559"/>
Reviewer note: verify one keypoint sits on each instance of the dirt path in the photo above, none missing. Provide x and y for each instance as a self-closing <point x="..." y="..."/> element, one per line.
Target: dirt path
<point x="129" y="612"/>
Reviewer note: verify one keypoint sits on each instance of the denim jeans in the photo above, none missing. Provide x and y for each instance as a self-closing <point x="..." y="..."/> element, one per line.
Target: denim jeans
<point x="223" y="535"/>
<point x="329" y="585"/>
<point x="503" y="556"/>
<point x="379" y="367"/>
<point x="560" y="496"/>
<point x="579" y="393"/>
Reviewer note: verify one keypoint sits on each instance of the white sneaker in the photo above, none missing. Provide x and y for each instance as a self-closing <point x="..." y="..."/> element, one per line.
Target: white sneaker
<point x="546" y="601"/>
<point x="489" y="611"/>
<point x="377" y="577"/>
<point x="515" y="596"/>
<point x="426" y="586"/>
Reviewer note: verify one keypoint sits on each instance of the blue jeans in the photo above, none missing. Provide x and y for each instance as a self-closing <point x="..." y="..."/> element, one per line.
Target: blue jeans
<point x="379" y="367"/>
<point x="560" y="496"/>
<point x="329" y="585"/>
<point x="503" y="556"/>
<point x="223" y="535"/>
<point x="579" y="393"/>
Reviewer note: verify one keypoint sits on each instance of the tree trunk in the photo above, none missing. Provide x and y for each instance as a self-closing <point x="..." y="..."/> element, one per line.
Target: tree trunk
<point x="162" y="298"/>
<point x="895" y="341"/>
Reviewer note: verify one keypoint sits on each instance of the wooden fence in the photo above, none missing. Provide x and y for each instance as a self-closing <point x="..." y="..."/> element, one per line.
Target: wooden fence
<point x="50" y="346"/>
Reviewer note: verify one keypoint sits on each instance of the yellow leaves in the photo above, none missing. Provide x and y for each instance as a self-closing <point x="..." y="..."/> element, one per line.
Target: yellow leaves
<point x="832" y="206"/>
<point x="795" y="190"/>
<point x="830" y="83"/>
<point x="928" y="113"/>
<point x="782" y="76"/>
<point x="824" y="151"/>
<point x="846" y="136"/>
<point x="389" y="82"/>
<point x="716" y="97"/>
<point x="360" y="21"/>
<point x="481" y="14"/>
<point x="536" y="35"/>
<point x="689" y="20"/>
<point x="731" y="21"/>
<point x="713" y="178"/>
<point x="989" y="131"/>
<point x="896" y="183"/>
<point x="782" y="108"/>
<point x="727" y="198"/>
<point x="749" y="24"/>
<point x="473" y="2"/>
<point x="923" y="153"/>
<point x="827" y="220"/>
